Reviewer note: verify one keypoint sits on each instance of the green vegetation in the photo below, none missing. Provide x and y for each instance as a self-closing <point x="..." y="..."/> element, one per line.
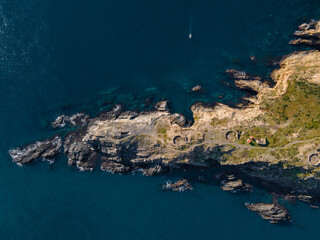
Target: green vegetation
<point x="161" y="130"/>
<point x="298" y="110"/>
<point x="295" y="116"/>
<point x="216" y="121"/>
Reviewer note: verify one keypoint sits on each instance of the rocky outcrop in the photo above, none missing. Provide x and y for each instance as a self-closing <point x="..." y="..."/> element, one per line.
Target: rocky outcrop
<point x="303" y="65"/>
<point x="178" y="186"/>
<point x="308" y="34"/>
<point x="241" y="75"/>
<point x="81" y="154"/>
<point x="162" y="106"/>
<point x="178" y="119"/>
<point x="78" y="119"/>
<point x="231" y="183"/>
<point x="47" y="149"/>
<point x="197" y="88"/>
<point x="154" y="170"/>
<point x="247" y="82"/>
<point x="273" y="212"/>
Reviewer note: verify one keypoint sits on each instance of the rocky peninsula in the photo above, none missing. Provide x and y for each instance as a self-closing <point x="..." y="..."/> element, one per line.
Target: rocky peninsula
<point x="273" y="139"/>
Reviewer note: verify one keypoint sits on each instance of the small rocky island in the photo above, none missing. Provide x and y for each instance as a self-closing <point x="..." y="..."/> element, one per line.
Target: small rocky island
<point x="273" y="139"/>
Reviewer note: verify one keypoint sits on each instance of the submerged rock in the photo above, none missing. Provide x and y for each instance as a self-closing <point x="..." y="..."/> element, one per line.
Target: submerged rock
<point x="178" y="186"/>
<point x="273" y="212"/>
<point x="47" y="149"/>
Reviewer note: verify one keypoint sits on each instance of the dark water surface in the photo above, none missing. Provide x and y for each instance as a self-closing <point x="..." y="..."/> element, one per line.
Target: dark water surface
<point x="65" y="56"/>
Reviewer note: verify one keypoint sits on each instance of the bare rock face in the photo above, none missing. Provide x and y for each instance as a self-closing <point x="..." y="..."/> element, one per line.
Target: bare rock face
<point x="273" y="212"/>
<point x="178" y="186"/>
<point x="308" y="34"/>
<point x="47" y="149"/>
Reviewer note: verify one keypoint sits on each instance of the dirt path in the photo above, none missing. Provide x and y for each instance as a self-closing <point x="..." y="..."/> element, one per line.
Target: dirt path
<point x="264" y="148"/>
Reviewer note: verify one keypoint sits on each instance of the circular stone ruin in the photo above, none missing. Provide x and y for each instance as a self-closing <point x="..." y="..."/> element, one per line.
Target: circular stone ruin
<point x="231" y="136"/>
<point x="178" y="140"/>
<point x="314" y="159"/>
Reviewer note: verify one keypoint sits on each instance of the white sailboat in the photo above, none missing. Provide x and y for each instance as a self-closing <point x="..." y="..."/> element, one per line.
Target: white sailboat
<point x="190" y="34"/>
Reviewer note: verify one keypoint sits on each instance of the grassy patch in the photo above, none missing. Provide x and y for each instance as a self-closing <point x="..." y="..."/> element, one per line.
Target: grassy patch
<point x="216" y="121"/>
<point x="161" y="130"/>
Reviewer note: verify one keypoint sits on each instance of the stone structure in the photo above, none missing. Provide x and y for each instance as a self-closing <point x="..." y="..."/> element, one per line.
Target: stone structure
<point x="262" y="141"/>
<point x="314" y="159"/>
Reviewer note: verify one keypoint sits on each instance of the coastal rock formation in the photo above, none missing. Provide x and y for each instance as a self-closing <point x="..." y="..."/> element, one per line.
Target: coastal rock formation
<point x="273" y="212"/>
<point x="78" y="119"/>
<point x="178" y="186"/>
<point x="249" y="83"/>
<point x="308" y="34"/>
<point x="231" y="183"/>
<point x="47" y="149"/>
<point x="162" y="106"/>
<point x="241" y="75"/>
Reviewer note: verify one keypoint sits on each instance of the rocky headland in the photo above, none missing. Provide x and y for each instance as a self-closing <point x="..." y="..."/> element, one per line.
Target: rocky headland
<point x="274" y="139"/>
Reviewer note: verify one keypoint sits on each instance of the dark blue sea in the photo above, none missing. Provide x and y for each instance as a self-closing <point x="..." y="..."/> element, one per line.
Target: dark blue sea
<point x="64" y="56"/>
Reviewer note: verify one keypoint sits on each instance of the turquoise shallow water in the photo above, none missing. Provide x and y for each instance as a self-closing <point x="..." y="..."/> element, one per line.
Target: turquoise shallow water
<point x="66" y="56"/>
